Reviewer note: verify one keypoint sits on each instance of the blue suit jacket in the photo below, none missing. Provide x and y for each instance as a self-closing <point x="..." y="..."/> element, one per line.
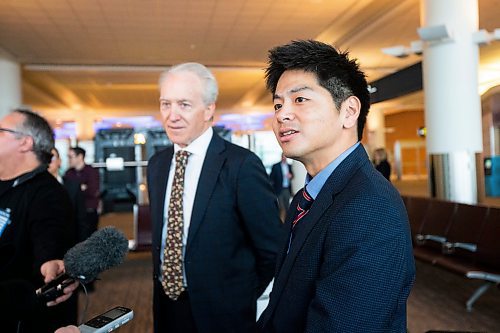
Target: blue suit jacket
<point x="233" y="236"/>
<point x="350" y="267"/>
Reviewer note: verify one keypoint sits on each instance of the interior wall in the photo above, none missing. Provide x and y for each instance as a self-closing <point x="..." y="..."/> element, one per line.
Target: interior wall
<point x="490" y="104"/>
<point x="403" y="126"/>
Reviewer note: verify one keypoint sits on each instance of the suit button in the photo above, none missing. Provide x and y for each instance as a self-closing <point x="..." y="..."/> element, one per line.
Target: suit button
<point x="155" y="277"/>
<point x="157" y="248"/>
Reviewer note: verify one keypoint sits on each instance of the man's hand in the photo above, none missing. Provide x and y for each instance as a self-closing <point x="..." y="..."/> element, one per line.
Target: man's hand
<point x="68" y="329"/>
<point x="50" y="270"/>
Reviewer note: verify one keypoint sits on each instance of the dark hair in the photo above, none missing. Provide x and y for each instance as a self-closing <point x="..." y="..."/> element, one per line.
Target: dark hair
<point x="78" y="151"/>
<point x="39" y="129"/>
<point x="334" y="71"/>
<point x="56" y="151"/>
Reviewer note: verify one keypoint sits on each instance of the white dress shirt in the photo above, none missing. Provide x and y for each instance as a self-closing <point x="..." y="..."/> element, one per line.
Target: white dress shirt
<point x="198" y="149"/>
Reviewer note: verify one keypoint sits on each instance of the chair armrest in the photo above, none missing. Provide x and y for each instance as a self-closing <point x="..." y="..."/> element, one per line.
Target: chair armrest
<point x="421" y="239"/>
<point x="495" y="278"/>
<point x="449" y="248"/>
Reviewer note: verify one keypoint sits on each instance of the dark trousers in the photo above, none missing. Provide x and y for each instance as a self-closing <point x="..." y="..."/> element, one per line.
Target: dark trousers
<point x="91" y="222"/>
<point x="172" y="316"/>
<point x="48" y="319"/>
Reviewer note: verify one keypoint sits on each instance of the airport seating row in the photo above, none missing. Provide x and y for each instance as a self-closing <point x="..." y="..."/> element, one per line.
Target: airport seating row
<point x="462" y="238"/>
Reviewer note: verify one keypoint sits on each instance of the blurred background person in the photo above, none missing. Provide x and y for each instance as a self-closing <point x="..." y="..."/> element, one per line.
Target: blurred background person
<point x="75" y="194"/>
<point x="381" y="163"/>
<point x="88" y="178"/>
<point x="281" y="179"/>
<point x="36" y="219"/>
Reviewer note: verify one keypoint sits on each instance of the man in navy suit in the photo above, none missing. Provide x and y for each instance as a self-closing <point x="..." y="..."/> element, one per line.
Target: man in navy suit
<point x="347" y="265"/>
<point x="230" y="227"/>
<point x="281" y="180"/>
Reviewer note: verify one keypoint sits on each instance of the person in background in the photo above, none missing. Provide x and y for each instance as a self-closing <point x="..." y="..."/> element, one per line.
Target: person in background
<point x="215" y="220"/>
<point x="75" y="194"/>
<point x="381" y="164"/>
<point x="347" y="264"/>
<point x="281" y="178"/>
<point x="88" y="177"/>
<point x="36" y="219"/>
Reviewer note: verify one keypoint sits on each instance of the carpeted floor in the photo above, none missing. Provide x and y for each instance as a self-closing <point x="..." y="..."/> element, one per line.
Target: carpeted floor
<point x="437" y="301"/>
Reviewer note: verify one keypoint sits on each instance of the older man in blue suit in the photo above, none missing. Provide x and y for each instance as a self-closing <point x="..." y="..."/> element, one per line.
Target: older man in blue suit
<point x="216" y="227"/>
<point x="347" y="265"/>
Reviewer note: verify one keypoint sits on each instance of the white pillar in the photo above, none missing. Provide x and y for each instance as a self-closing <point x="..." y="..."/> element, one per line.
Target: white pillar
<point x="452" y="102"/>
<point x="10" y="84"/>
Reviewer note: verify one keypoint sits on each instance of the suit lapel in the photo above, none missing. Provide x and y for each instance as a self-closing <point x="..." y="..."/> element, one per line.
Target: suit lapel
<point x="319" y="206"/>
<point x="212" y="165"/>
<point x="288" y="225"/>
<point x="161" y="178"/>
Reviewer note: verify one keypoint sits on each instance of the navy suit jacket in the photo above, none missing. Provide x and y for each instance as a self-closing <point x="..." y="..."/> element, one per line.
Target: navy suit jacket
<point x="350" y="267"/>
<point x="276" y="177"/>
<point x="233" y="237"/>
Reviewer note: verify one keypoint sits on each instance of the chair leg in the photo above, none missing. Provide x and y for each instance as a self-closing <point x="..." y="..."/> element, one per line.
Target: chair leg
<point x="479" y="291"/>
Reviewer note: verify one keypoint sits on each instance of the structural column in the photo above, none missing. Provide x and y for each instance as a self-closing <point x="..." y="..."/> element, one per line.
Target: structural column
<point x="10" y="84"/>
<point x="452" y="101"/>
<point x="375" y="126"/>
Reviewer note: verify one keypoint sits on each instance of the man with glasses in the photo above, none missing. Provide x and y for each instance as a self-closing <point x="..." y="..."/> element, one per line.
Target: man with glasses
<point x="36" y="224"/>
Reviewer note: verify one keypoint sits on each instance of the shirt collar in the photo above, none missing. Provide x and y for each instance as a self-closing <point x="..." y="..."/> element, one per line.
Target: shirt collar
<point x="27" y="176"/>
<point x="200" y="145"/>
<point x="314" y="185"/>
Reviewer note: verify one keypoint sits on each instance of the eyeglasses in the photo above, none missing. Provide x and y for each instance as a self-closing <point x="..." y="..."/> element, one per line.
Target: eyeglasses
<point x="8" y="130"/>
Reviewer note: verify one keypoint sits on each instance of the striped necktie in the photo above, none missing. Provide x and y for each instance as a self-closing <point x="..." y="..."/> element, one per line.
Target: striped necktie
<point x="303" y="207"/>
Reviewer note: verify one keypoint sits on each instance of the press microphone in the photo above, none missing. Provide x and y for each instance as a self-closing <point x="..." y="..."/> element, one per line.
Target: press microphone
<point x="104" y="249"/>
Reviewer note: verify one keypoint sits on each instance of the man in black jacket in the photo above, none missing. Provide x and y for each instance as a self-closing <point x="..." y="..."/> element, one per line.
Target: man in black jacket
<point x="36" y="223"/>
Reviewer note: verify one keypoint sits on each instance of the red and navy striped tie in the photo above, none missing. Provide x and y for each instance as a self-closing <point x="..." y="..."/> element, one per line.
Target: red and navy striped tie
<point x="303" y="207"/>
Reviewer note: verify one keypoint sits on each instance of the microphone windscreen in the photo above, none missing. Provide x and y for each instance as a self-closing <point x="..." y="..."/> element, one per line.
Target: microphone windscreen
<point x="104" y="249"/>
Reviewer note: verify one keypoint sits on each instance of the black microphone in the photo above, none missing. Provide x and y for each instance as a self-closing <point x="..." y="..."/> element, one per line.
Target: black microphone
<point x="104" y="249"/>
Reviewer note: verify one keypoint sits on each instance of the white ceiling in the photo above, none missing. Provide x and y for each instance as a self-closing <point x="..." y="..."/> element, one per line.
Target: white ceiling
<point x="103" y="57"/>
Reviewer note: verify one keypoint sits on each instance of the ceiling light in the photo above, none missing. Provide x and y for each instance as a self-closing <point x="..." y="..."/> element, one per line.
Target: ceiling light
<point x="399" y="51"/>
<point x="417" y="47"/>
<point x="434" y="33"/>
<point x="482" y="37"/>
<point x="496" y="34"/>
